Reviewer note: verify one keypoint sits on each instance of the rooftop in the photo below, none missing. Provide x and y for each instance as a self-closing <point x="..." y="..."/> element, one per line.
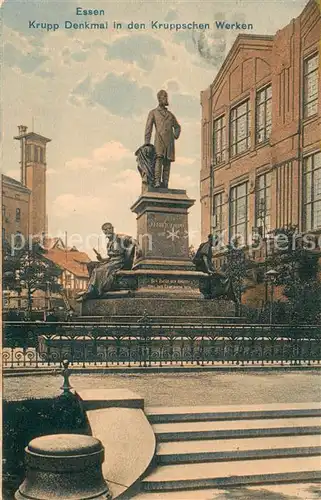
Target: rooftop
<point x="14" y="183"/>
<point x="71" y="260"/>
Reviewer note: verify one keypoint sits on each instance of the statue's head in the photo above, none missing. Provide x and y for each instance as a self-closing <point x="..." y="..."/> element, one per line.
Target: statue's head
<point x="162" y="97"/>
<point x="210" y="238"/>
<point x="107" y="228"/>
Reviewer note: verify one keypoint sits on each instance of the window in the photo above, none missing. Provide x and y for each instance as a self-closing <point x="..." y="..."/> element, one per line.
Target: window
<point x="18" y="240"/>
<point x="42" y="156"/>
<point x="239" y="213"/>
<point x="28" y="152"/>
<point x="3" y="211"/>
<point x="311" y="67"/>
<point x="219" y="140"/>
<point x="263" y="114"/>
<point x="240" y="128"/>
<point x="312" y="191"/>
<point x="217" y="223"/>
<point x="263" y="202"/>
<point x="18" y="214"/>
<point x="37" y="154"/>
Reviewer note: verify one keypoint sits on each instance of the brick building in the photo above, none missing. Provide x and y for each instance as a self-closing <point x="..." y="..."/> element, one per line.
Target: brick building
<point x="15" y="207"/>
<point x="261" y="138"/>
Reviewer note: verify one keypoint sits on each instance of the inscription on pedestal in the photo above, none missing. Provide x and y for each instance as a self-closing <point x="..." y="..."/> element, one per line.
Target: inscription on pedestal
<point x="169" y="235"/>
<point x="166" y="283"/>
<point x="162" y="227"/>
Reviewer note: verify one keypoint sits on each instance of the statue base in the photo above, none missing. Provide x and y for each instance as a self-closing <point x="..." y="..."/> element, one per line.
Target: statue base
<point x="162" y="229"/>
<point x="158" y="293"/>
<point x="124" y="309"/>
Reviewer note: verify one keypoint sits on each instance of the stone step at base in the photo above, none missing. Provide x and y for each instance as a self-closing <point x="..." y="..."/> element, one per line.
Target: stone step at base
<point x="237" y="445"/>
<point x="226" y="474"/>
<point x="237" y="449"/>
<point x="230" y="412"/>
<point x="185" y="431"/>
<point x="192" y="320"/>
<point x="291" y="491"/>
<point x="184" y="458"/>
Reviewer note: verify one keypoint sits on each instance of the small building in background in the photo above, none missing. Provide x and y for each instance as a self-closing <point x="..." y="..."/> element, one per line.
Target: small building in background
<point x="72" y="262"/>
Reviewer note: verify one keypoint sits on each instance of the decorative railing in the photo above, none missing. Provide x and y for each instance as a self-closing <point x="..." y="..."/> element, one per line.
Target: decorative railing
<point x="142" y="344"/>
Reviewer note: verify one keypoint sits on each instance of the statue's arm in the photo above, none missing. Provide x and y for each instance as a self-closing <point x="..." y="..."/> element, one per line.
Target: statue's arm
<point x="177" y="128"/>
<point x="149" y="127"/>
<point x="208" y="266"/>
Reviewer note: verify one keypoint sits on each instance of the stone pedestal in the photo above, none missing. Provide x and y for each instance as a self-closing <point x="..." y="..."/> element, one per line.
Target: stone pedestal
<point x="64" y="466"/>
<point x="162" y="229"/>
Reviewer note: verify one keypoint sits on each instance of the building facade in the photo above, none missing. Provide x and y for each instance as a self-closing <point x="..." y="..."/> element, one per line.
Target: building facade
<point x="15" y="208"/>
<point x="261" y="134"/>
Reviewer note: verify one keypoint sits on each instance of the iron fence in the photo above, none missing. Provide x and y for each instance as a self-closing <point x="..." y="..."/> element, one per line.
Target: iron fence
<point x="38" y="344"/>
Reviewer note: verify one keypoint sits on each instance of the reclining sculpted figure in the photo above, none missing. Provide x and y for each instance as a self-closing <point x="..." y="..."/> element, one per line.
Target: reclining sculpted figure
<point x="217" y="286"/>
<point x="122" y="251"/>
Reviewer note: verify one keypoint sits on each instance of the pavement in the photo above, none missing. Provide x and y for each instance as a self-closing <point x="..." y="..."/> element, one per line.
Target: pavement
<point x="182" y="389"/>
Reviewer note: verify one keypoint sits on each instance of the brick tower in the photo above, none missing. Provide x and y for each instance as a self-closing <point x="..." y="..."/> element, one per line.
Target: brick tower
<point x="33" y="176"/>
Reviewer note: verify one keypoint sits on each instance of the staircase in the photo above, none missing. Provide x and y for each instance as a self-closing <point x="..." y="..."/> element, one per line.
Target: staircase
<point x="222" y="447"/>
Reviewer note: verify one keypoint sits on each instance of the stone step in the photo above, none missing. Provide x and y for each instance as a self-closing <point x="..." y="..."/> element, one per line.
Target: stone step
<point x="230" y="412"/>
<point x="298" y="491"/>
<point x="224" y="474"/>
<point x="185" y="431"/>
<point x="237" y="449"/>
<point x="132" y="319"/>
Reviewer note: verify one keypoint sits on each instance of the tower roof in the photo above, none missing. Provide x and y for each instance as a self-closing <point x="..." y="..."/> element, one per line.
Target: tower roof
<point x="33" y="135"/>
<point x="23" y="132"/>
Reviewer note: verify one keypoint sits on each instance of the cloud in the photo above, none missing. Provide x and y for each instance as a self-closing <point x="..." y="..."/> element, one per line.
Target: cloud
<point x="185" y="38"/>
<point x="171" y="86"/>
<point x="171" y="15"/>
<point x="45" y="74"/>
<point x="177" y="181"/>
<point x="122" y="96"/>
<point x="17" y="14"/>
<point x="100" y="158"/>
<point x="80" y="56"/>
<point x="51" y="171"/>
<point x="81" y="92"/>
<point x="27" y="63"/>
<point x="69" y="204"/>
<point x="128" y="181"/>
<point x="184" y="160"/>
<point x="139" y="49"/>
<point x="186" y="105"/>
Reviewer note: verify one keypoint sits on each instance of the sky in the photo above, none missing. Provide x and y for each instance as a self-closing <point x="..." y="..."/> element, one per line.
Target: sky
<point x="90" y="92"/>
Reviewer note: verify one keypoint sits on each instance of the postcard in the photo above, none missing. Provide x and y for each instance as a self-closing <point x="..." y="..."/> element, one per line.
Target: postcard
<point x="161" y="262"/>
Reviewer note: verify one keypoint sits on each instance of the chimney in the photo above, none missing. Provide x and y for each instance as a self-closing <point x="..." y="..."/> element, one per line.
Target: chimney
<point x="22" y="129"/>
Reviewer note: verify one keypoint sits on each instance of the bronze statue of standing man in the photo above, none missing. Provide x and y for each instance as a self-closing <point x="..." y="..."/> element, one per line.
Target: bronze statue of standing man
<point x="167" y="130"/>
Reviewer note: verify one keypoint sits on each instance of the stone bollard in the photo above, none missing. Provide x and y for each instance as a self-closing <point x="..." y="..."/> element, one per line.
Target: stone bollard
<point x="66" y="387"/>
<point x="64" y="466"/>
